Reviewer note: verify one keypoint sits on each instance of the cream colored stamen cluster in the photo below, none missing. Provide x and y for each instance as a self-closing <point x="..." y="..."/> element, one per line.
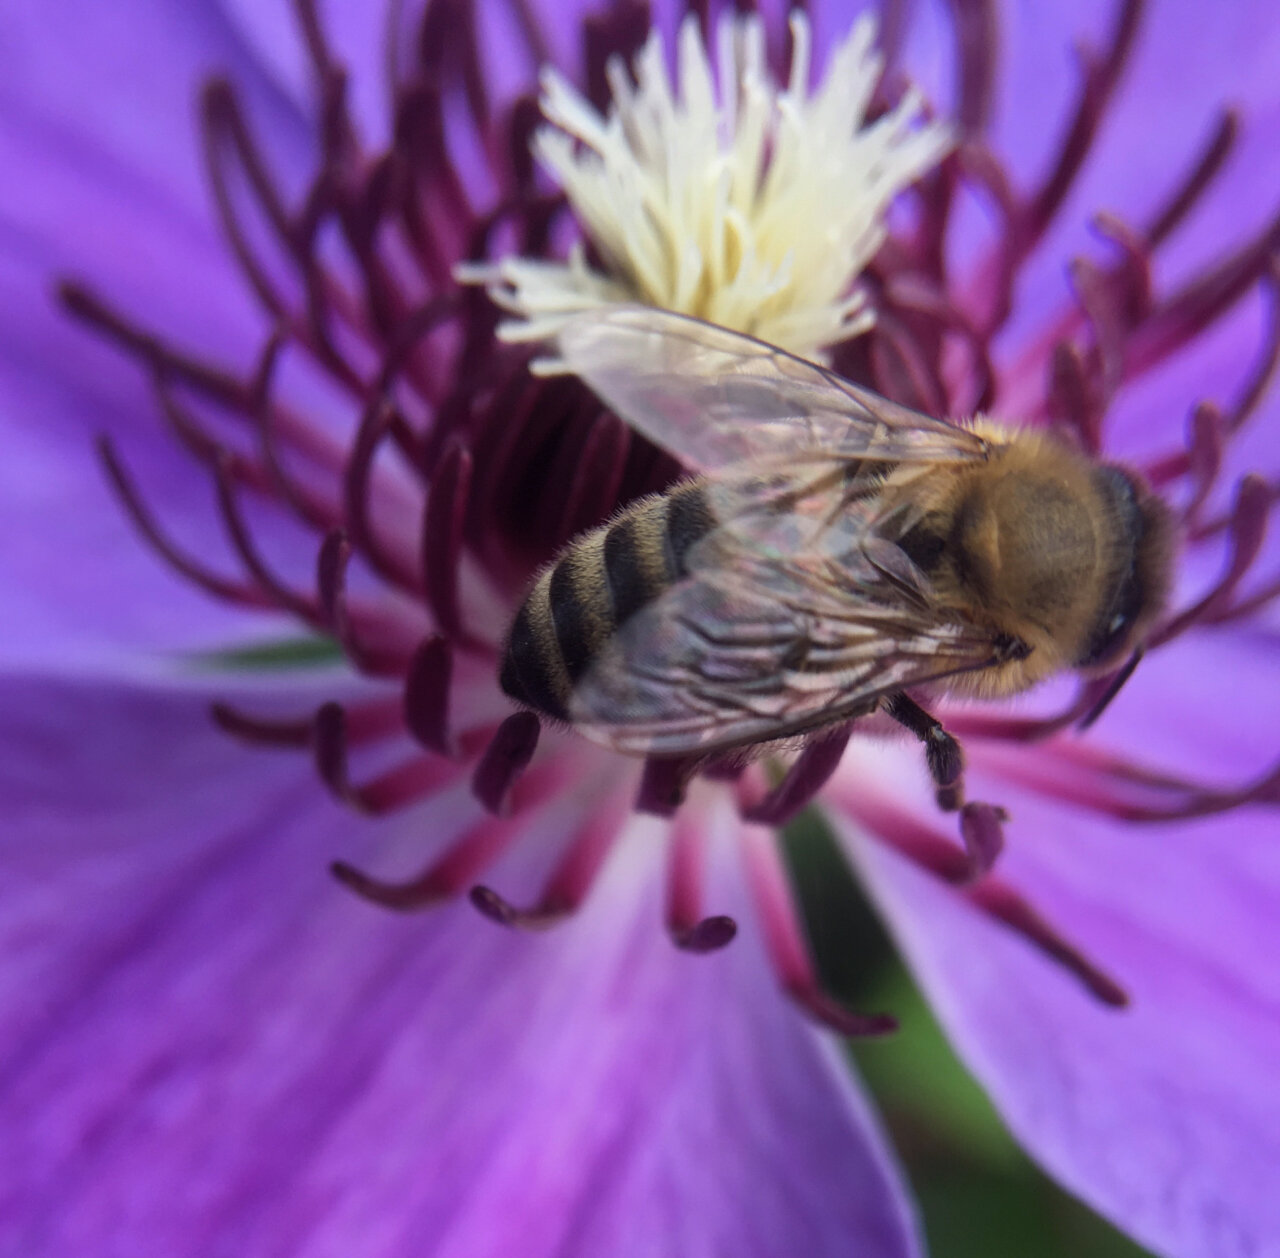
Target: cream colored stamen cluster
<point x="750" y="206"/>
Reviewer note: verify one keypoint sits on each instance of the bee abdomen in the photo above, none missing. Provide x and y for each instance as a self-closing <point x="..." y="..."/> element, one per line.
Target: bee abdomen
<point x="596" y="585"/>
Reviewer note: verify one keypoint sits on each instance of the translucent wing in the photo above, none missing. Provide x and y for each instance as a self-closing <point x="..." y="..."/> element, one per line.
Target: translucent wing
<point x="713" y="397"/>
<point x="789" y="618"/>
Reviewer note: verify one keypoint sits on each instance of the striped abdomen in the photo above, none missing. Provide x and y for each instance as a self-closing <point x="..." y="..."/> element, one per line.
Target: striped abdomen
<point x="600" y="580"/>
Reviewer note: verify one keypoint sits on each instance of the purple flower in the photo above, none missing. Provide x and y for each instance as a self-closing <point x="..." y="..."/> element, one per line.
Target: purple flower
<point x="212" y="1048"/>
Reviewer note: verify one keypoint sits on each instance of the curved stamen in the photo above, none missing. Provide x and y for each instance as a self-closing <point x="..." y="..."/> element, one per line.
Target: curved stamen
<point x="427" y="688"/>
<point x="1246" y="530"/>
<point x="662" y="785"/>
<point x="1204" y="169"/>
<point x="302" y="606"/>
<point x="394" y="788"/>
<point x="466" y="857"/>
<point x="982" y="830"/>
<point x="375" y="427"/>
<point x="572" y="878"/>
<point x="374" y="643"/>
<point x="506" y="757"/>
<point x="206" y="448"/>
<point x="977" y="39"/>
<point x="935" y="855"/>
<point x="784" y="939"/>
<point x="262" y="731"/>
<point x="448" y="499"/>
<point x="1116" y="788"/>
<point x="1099" y="76"/>
<point x="226" y="588"/>
<point x="1074" y="396"/>
<point x="807" y="775"/>
<point x="688" y="928"/>
<point x="1000" y="901"/>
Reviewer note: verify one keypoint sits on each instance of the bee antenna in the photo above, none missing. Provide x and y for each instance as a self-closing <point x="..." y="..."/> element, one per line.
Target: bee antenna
<point x="1114" y="687"/>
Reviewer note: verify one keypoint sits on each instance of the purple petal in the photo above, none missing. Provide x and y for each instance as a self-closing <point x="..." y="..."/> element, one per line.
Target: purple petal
<point x="211" y="1047"/>
<point x="99" y="140"/>
<point x="1164" y="1116"/>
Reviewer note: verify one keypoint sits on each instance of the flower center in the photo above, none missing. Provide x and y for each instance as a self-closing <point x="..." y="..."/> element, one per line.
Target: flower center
<point x="452" y="473"/>
<point x="726" y="196"/>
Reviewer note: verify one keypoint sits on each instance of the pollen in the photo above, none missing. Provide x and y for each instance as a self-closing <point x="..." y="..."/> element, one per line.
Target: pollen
<point x="724" y="195"/>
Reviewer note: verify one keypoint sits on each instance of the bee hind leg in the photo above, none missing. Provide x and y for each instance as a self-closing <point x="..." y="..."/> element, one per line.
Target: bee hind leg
<point x="942" y="752"/>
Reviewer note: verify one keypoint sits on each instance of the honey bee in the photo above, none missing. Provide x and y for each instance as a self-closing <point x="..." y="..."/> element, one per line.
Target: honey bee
<point x="832" y="553"/>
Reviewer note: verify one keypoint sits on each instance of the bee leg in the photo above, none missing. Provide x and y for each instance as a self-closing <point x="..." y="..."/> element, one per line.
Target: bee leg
<point x="942" y="752"/>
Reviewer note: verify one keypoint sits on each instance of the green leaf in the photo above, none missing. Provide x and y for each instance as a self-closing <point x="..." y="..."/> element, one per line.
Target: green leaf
<point x="280" y="653"/>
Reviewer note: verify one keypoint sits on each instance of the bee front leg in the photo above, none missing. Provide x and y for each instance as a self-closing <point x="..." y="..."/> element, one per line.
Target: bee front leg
<point x="942" y="752"/>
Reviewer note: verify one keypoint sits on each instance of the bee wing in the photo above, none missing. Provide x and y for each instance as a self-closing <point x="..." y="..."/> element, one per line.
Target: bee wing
<point x="712" y="397"/>
<point x="786" y="621"/>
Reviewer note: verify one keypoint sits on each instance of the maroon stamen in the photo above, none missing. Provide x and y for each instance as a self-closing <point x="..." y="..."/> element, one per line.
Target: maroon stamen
<point x="1129" y="793"/>
<point x="426" y="695"/>
<point x="572" y="878"/>
<point x="1114" y="686"/>
<point x="1244" y="607"/>
<point x="1099" y="76"/>
<point x="1203" y="171"/>
<point x="1247" y="528"/>
<point x="262" y="731"/>
<point x="204" y="447"/>
<point x="893" y="27"/>
<point x="1091" y="697"/>
<point x="225" y="588"/>
<point x="914" y="295"/>
<point x="920" y="843"/>
<point x="423" y="140"/>
<point x="375" y="427"/>
<point x="1000" y="901"/>
<point x="305" y="608"/>
<point x="447" y="878"/>
<point x="662" y="785"/>
<point x="321" y="512"/>
<point x="593" y="485"/>
<point x="784" y="939"/>
<point x="807" y="775"/>
<point x="1269" y="359"/>
<point x="1131" y="279"/>
<point x="227" y="136"/>
<point x="1180" y="318"/>
<point x="448" y="45"/>
<point x="931" y="852"/>
<point x="1075" y="397"/>
<point x="903" y="368"/>
<point x="1096" y="295"/>
<point x="619" y="31"/>
<point x="994" y="295"/>
<point x="164" y="361"/>
<point x="1206" y="443"/>
<point x="374" y="645"/>
<point x="688" y="928"/>
<point x="466" y="857"/>
<point x="530" y="28"/>
<point x="394" y="788"/>
<point x="977" y="39"/>
<point x="981" y="828"/>
<point x="448" y="499"/>
<point x="505" y="759"/>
